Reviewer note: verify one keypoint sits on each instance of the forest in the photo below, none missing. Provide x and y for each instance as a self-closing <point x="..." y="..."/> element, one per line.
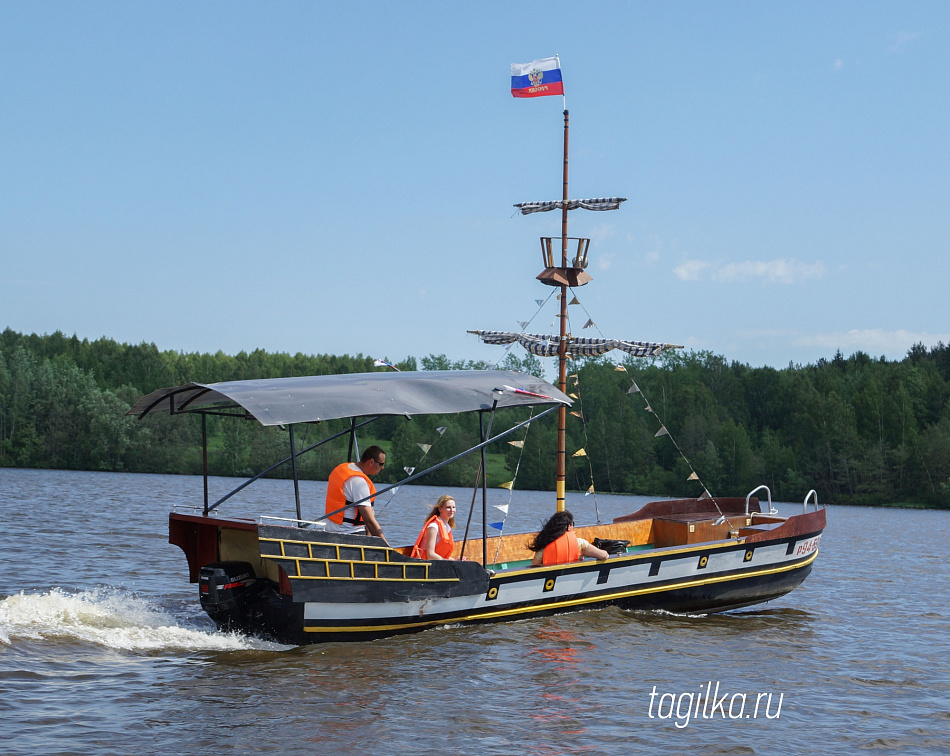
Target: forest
<point x="858" y="429"/>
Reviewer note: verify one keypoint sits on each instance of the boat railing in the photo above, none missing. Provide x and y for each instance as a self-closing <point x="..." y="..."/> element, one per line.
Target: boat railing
<point x="772" y="510"/>
<point x="813" y="494"/>
<point x="311" y="524"/>
<point x="188" y="509"/>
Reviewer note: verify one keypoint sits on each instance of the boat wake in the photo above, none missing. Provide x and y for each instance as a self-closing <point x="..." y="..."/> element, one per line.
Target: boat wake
<point x="111" y="618"/>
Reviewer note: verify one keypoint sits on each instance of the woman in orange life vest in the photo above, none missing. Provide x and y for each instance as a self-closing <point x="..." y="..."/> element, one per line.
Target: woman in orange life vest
<point x="435" y="540"/>
<point x="556" y="543"/>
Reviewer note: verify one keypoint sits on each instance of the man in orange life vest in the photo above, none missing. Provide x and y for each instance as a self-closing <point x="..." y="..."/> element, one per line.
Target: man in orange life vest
<point x="348" y="483"/>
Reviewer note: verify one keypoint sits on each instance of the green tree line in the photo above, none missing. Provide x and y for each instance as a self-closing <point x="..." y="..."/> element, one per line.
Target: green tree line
<point x="856" y="429"/>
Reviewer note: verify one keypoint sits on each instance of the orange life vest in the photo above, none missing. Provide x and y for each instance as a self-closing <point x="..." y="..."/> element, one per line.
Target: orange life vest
<point x="564" y="549"/>
<point x="443" y="544"/>
<point x="336" y="499"/>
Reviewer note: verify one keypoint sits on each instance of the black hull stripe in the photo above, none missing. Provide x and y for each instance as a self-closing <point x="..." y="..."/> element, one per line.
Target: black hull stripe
<point x="527" y="609"/>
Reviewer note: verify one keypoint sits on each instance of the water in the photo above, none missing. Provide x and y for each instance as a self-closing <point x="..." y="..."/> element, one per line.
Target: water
<point x="104" y="649"/>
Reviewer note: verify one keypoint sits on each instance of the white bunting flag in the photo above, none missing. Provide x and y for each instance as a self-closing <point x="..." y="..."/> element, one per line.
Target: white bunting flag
<point x="661" y="432"/>
<point x="517" y="444"/>
<point x="425" y="447"/>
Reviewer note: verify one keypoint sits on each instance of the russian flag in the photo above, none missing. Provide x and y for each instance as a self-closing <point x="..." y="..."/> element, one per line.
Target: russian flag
<point x="538" y="78"/>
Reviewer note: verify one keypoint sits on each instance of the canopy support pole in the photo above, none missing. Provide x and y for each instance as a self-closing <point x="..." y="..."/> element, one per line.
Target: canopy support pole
<point x="293" y="465"/>
<point x="349" y="452"/>
<point x="481" y="433"/>
<point x="274" y="466"/>
<point x="204" y="458"/>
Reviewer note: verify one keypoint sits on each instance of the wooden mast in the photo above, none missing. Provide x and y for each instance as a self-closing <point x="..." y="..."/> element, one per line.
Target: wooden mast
<point x="562" y="347"/>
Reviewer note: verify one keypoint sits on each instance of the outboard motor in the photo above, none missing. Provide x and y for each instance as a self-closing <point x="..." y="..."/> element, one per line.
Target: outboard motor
<point x="226" y="586"/>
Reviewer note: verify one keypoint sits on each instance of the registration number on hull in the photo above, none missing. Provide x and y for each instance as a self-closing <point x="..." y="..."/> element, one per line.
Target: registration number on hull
<point x="807" y="547"/>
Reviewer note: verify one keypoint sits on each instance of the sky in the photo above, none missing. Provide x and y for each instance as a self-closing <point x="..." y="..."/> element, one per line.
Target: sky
<point x="339" y="178"/>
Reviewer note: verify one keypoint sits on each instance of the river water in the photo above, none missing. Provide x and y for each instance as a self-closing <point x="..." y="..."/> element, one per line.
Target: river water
<point x="104" y="648"/>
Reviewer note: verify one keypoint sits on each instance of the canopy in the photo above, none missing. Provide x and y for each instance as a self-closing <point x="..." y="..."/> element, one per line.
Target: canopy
<point x="282" y="401"/>
<point x="547" y="346"/>
<point x="601" y="203"/>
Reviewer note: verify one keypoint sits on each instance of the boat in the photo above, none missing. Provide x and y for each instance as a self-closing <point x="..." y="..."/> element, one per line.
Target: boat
<point x="291" y="579"/>
<point x="286" y="578"/>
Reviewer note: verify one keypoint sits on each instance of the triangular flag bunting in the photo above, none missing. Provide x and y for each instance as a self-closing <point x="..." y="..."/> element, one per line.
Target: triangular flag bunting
<point x="590" y="490"/>
<point x="409" y="470"/>
<point x="693" y="476"/>
<point x="573" y="301"/>
<point x="589" y="323"/>
<point x="634" y="388"/>
<point x="706" y="495"/>
<point x="648" y="408"/>
<point x="661" y="432"/>
<point x="502" y="508"/>
<point x="517" y="444"/>
<point x="507" y="485"/>
<point x="425" y="447"/>
<point x="573" y="396"/>
<point x="441" y="430"/>
<point x="523" y="323"/>
<point x="539" y="301"/>
<point x="620" y="369"/>
<point x="496" y="525"/>
<point x="578" y="414"/>
<point x="580" y="453"/>
<point x="392" y="491"/>
<point x="573" y="375"/>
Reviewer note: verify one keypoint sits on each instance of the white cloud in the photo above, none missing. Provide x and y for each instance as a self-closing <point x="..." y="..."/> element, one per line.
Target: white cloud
<point x="690" y="270"/>
<point x="769" y="271"/>
<point x="901" y="40"/>
<point x="874" y="341"/>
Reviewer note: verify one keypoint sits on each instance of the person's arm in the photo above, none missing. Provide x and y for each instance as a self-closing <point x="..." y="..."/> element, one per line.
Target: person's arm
<point x="432" y="535"/>
<point x="373" y="528"/>
<point x="589" y="550"/>
<point x="538" y="559"/>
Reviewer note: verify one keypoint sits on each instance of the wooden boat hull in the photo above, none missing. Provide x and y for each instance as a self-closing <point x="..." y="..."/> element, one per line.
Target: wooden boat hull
<point x="311" y="586"/>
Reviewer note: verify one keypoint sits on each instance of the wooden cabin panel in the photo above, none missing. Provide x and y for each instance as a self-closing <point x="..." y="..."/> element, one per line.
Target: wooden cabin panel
<point x="681" y="531"/>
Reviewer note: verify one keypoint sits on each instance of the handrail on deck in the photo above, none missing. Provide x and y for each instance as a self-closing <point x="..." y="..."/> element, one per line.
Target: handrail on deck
<point x="809" y="495"/>
<point x="772" y="510"/>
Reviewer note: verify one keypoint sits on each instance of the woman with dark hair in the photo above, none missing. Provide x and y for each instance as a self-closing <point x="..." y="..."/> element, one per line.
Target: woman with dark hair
<point x="556" y="543"/>
<point x="435" y="541"/>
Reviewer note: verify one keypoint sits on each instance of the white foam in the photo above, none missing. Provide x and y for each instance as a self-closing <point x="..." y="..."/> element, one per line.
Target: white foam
<point x="112" y="618"/>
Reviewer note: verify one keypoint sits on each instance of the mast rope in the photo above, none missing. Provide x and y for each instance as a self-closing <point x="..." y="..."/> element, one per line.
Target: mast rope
<point x="527" y="323"/>
<point x="426" y="448"/>
<point x="511" y="488"/>
<point x="663" y="431"/>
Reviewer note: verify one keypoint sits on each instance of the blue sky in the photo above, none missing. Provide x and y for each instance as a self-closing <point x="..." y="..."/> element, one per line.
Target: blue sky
<point x="339" y="177"/>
